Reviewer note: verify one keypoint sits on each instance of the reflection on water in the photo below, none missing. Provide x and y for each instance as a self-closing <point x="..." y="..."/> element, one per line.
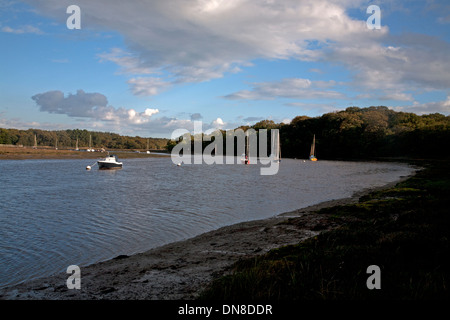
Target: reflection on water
<point x="54" y="213"/>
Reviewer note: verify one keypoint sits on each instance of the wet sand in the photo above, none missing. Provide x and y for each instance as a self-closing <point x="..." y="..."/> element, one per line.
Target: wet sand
<point x="181" y="270"/>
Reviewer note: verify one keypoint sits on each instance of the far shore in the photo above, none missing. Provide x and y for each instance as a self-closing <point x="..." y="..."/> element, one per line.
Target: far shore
<point x="183" y="269"/>
<point x="24" y="153"/>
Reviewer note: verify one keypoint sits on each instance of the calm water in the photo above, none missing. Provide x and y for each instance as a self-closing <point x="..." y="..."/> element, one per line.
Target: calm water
<point x="54" y="213"/>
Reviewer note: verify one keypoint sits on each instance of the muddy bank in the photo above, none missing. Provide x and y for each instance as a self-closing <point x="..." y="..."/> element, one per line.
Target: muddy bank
<point x="28" y="153"/>
<point x="181" y="270"/>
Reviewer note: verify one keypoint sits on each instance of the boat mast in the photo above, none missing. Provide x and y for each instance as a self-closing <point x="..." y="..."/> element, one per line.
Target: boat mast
<point x="313" y="146"/>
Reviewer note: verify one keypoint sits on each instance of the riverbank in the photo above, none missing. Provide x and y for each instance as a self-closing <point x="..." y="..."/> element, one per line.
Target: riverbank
<point x="402" y="230"/>
<point x="183" y="270"/>
<point x="24" y="153"/>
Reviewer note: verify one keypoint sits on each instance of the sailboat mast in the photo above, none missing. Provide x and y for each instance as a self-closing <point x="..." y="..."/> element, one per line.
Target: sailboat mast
<point x="313" y="147"/>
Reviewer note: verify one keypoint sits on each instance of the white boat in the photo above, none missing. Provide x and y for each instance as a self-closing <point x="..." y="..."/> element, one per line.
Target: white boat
<point x="110" y="162"/>
<point x="148" y="151"/>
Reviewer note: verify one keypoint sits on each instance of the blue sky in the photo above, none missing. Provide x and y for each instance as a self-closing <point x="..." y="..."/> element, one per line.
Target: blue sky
<point x="148" y="68"/>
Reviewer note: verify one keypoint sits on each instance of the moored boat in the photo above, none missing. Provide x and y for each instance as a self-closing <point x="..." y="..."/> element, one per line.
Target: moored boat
<point x="312" y="156"/>
<point x="110" y="162"/>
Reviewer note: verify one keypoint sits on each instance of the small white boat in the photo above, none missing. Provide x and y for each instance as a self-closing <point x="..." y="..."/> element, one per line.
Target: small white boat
<point x="110" y="162"/>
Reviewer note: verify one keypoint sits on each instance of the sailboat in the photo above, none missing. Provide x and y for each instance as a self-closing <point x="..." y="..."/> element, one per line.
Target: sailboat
<point x="245" y="159"/>
<point x="35" y="142"/>
<point x="277" y="149"/>
<point x="148" y="151"/>
<point x="76" y="148"/>
<point x="90" y="143"/>
<point x="312" y="156"/>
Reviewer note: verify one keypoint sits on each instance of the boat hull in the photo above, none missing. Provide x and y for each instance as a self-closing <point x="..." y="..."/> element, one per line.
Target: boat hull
<point x="102" y="165"/>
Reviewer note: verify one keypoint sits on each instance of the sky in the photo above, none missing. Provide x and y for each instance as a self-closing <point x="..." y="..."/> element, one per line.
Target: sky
<point x="147" y="68"/>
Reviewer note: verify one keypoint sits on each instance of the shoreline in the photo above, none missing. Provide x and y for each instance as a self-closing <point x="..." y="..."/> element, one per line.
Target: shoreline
<point x="28" y="153"/>
<point x="182" y="270"/>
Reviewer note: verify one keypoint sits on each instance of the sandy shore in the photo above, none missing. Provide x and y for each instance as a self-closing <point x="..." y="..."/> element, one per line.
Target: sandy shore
<point x="181" y="270"/>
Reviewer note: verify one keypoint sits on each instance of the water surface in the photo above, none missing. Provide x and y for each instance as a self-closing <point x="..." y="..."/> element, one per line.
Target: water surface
<point x="54" y="213"/>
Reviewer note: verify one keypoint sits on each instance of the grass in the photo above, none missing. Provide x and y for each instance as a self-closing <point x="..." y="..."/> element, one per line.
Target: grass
<point x="404" y="230"/>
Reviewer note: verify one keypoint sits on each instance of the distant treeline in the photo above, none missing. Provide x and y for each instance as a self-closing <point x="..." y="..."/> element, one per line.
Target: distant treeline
<point x="68" y="138"/>
<point x="360" y="133"/>
<point x="367" y="133"/>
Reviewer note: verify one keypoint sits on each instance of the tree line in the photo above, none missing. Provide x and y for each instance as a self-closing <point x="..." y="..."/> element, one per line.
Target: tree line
<point x="359" y="133"/>
<point x="354" y="133"/>
<point x="68" y="138"/>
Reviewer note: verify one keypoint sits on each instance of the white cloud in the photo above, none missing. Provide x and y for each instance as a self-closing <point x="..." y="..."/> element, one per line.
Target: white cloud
<point x="188" y="41"/>
<point x="147" y="86"/>
<point x="316" y="107"/>
<point x="426" y="108"/>
<point x="294" y="88"/>
<point x="398" y="96"/>
<point x="128" y="62"/>
<point x="22" y="30"/>
<point x="91" y="110"/>
<point x="90" y="105"/>
<point x="416" y="62"/>
<point x="218" y="123"/>
<point x="200" y="40"/>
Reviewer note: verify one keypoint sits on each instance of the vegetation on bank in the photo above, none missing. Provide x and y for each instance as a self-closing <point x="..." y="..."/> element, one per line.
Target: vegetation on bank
<point x="358" y="133"/>
<point x="68" y="138"/>
<point x="405" y="230"/>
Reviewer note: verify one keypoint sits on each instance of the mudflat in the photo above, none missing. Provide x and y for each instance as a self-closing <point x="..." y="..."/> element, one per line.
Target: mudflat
<point x="24" y="153"/>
